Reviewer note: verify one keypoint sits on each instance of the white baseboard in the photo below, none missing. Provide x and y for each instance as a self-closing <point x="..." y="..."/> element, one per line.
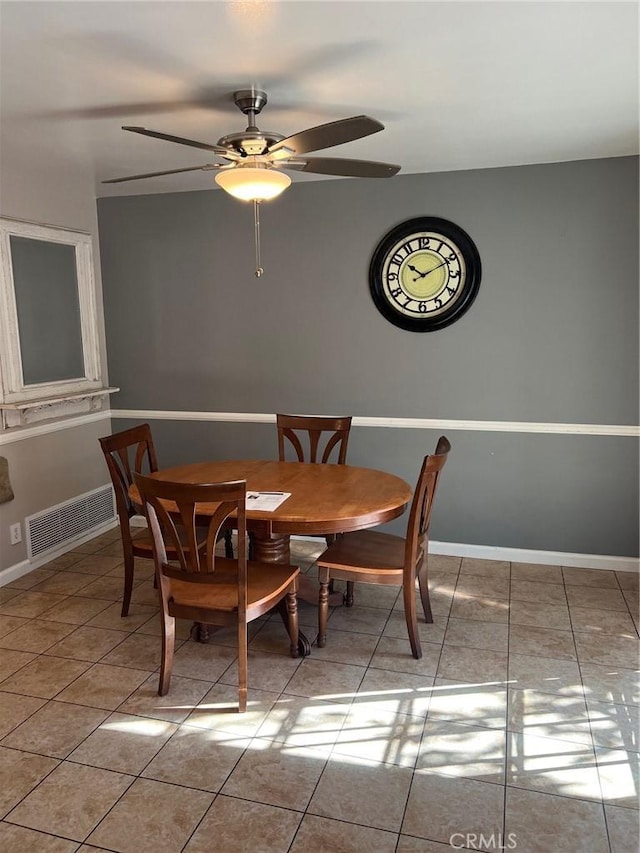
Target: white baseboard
<point x="12" y="573"/>
<point x="544" y="558"/>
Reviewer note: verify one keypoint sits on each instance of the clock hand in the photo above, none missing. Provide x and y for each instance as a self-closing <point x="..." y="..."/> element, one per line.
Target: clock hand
<point x="420" y="274"/>
<point x="423" y="274"/>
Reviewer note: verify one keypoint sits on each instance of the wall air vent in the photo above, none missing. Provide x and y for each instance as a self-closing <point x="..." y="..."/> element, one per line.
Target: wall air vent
<point x="70" y="520"/>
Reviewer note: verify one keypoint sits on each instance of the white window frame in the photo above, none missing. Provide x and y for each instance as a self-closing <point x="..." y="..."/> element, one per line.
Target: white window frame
<point x="12" y="386"/>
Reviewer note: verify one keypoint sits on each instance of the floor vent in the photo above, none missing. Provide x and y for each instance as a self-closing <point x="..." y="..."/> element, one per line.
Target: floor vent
<point x="69" y="520"/>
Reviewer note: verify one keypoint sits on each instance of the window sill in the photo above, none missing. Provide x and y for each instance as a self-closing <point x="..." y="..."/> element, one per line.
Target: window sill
<point x="25" y="412"/>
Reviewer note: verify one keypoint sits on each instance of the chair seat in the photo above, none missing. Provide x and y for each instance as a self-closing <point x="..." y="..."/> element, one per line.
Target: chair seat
<point x="367" y="551"/>
<point x="265" y="581"/>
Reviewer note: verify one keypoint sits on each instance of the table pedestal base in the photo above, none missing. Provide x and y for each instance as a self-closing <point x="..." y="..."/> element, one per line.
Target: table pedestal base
<point x="270" y="548"/>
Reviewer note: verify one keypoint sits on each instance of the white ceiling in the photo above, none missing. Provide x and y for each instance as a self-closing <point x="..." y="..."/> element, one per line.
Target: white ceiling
<point x="458" y="85"/>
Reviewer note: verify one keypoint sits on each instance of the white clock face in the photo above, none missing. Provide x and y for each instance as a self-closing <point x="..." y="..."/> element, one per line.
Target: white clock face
<point x="423" y="274"/>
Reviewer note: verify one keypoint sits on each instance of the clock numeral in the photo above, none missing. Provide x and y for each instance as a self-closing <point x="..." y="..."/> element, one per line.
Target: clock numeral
<point x="438" y="302"/>
<point x="422" y="307"/>
<point x="451" y="290"/>
<point x="395" y="293"/>
<point x="403" y="252"/>
<point x="424" y="242"/>
<point x="452" y="257"/>
<point x="399" y="257"/>
<point x="454" y="273"/>
<point x="392" y="276"/>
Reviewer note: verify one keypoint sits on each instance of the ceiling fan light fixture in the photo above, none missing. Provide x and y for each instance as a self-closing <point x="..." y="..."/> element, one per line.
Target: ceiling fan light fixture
<point x="251" y="183"/>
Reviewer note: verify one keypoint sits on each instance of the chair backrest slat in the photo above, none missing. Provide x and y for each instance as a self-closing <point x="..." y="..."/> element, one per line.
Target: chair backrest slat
<point x="289" y="427"/>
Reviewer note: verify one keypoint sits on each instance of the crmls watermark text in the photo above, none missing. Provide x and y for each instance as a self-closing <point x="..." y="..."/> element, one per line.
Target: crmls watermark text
<point x="480" y="841"/>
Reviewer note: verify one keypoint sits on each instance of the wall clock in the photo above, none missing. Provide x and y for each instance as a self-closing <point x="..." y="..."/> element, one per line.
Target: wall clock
<point x="424" y="274"/>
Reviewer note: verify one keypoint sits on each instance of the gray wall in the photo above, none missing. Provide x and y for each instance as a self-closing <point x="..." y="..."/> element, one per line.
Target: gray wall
<point x="551" y="337"/>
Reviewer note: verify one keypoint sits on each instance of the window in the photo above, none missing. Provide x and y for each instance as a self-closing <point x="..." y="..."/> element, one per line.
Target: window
<point x="49" y="343"/>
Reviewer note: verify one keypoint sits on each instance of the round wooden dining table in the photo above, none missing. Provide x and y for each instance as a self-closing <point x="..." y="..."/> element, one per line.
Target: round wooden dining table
<point x="325" y="499"/>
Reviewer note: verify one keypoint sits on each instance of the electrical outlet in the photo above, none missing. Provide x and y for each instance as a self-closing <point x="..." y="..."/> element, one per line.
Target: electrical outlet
<point x="15" y="533"/>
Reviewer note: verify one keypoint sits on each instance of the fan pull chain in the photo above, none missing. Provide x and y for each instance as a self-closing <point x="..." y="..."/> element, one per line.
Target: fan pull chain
<point x="256" y="219"/>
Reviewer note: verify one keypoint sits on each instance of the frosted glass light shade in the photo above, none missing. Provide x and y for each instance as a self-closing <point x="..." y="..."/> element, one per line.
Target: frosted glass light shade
<point x="253" y="184"/>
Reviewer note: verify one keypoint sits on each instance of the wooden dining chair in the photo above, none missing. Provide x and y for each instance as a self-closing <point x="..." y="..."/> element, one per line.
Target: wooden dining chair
<point x="371" y="556"/>
<point x="204" y="587"/>
<point x="128" y="452"/>
<point x="326" y="438"/>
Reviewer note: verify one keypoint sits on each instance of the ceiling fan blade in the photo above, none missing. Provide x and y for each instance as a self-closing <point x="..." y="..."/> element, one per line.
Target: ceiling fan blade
<point x="328" y="135"/>
<point x="217" y="149"/>
<point x="120" y="110"/>
<point x="343" y="167"/>
<point x="168" y="172"/>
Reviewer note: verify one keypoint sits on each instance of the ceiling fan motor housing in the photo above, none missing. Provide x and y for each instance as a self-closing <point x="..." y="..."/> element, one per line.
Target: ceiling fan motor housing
<point x="250" y="143"/>
<point x="250" y="100"/>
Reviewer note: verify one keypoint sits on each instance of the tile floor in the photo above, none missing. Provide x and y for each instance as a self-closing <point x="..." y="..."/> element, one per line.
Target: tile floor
<point x="517" y="730"/>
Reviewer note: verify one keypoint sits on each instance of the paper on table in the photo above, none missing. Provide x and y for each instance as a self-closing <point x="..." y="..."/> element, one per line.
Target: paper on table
<point x="266" y="501"/>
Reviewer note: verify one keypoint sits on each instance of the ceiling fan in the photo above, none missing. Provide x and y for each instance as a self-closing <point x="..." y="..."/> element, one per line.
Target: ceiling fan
<point x="255" y="158"/>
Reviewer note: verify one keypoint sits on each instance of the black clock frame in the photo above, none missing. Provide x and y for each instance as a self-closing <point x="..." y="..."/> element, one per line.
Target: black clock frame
<point x="471" y="286"/>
